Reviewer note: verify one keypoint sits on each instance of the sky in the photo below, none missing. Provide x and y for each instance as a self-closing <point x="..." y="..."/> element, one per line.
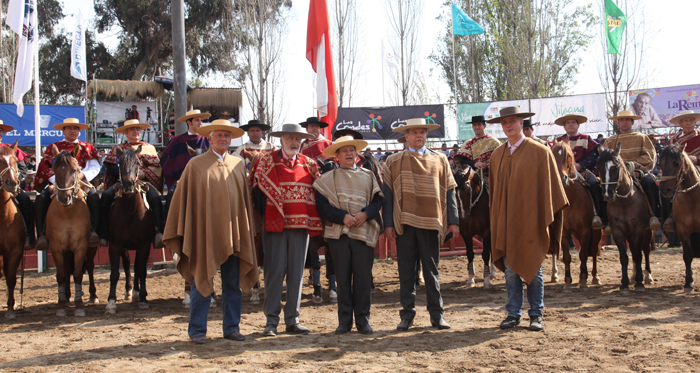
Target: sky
<point x="674" y="25"/>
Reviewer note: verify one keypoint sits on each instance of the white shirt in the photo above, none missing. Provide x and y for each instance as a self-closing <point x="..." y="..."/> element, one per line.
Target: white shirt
<point x="512" y="147"/>
<point x="92" y="168"/>
<point x="222" y="157"/>
<point x="421" y="150"/>
<point x="190" y="133"/>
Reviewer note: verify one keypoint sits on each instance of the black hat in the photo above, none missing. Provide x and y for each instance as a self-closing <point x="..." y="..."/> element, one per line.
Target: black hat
<point x="314" y="120"/>
<point x="255" y="123"/>
<point x="347" y="132"/>
<point x="478" y="118"/>
<point x="527" y="123"/>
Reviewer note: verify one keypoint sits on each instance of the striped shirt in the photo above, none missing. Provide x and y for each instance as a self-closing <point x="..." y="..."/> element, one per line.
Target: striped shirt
<point x="636" y="148"/>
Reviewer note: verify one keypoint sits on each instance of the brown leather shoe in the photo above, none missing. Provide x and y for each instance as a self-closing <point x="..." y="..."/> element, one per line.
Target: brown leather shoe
<point x="608" y="230"/>
<point x="654" y="224"/>
<point x="93" y="239"/>
<point x="597" y="223"/>
<point x="199" y="340"/>
<point x="42" y="243"/>
<point x="669" y="225"/>
<point x="235" y="336"/>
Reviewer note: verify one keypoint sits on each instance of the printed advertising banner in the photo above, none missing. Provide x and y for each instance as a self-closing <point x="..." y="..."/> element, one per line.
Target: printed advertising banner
<point x="378" y="123"/>
<point x="489" y="110"/>
<point x="657" y="106"/>
<point x="50" y="115"/>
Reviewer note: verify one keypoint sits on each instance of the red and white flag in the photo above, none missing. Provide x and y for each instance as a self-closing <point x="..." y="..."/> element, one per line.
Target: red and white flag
<point x="318" y="52"/>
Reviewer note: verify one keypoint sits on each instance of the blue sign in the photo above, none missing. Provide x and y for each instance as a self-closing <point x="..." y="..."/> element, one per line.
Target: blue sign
<point x="50" y="115"/>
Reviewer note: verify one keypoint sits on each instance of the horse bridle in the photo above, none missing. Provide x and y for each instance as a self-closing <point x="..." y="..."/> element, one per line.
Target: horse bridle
<point x="138" y="183"/>
<point x="619" y="178"/>
<point x="75" y="188"/>
<point x="471" y="190"/>
<point x="679" y="179"/>
<point x="16" y="171"/>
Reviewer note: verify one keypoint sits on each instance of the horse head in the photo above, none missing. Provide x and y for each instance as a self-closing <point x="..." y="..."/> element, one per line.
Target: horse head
<point x="129" y="165"/>
<point x="66" y="169"/>
<point x="613" y="172"/>
<point x="8" y="168"/>
<point x="675" y="165"/>
<point x="564" y="157"/>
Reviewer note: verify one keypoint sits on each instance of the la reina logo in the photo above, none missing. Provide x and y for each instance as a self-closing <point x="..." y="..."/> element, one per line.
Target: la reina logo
<point x="689" y="101"/>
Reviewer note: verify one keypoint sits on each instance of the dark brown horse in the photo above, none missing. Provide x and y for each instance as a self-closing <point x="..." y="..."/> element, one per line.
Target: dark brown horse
<point x="628" y="215"/>
<point x="68" y="229"/>
<point x="11" y="224"/>
<point x="474" y="219"/>
<point x="131" y="227"/>
<point x="680" y="185"/>
<point x="577" y="217"/>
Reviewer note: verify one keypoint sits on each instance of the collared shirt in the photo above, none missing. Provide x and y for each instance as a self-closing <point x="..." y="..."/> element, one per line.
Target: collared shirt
<point x="285" y="156"/>
<point x="260" y="143"/>
<point x="190" y="133"/>
<point x="220" y="155"/>
<point x="354" y="167"/>
<point x="92" y="167"/>
<point x="512" y="147"/>
<point x="421" y="150"/>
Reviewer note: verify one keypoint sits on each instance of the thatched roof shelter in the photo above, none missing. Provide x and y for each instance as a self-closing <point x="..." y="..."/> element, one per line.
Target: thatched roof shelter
<point x="217" y="101"/>
<point x="129" y="90"/>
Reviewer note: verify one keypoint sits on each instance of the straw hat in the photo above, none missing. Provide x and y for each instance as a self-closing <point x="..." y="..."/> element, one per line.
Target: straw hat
<point x="6" y="127"/>
<point x="509" y="112"/>
<point x="401" y="140"/>
<point x="193" y="114"/>
<point x="344" y="141"/>
<point x="578" y="118"/>
<point x="132" y="123"/>
<point x="310" y="120"/>
<point x="221" y="125"/>
<point x="225" y="115"/>
<point x="347" y="132"/>
<point x="416" y="123"/>
<point x="625" y="114"/>
<point x="71" y="122"/>
<point x="681" y="115"/>
<point x="255" y="123"/>
<point x="292" y="129"/>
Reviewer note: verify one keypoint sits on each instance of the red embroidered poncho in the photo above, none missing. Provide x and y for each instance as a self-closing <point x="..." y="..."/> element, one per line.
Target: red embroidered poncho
<point x="313" y="148"/>
<point x="150" y="164"/>
<point x="87" y="152"/>
<point x="692" y="144"/>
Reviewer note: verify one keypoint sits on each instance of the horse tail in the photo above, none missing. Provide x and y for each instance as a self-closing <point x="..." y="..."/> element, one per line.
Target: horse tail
<point x="695" y="244"/>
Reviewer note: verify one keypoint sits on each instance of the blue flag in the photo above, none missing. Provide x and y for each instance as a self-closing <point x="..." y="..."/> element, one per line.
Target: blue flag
<point x="462" y="24"/>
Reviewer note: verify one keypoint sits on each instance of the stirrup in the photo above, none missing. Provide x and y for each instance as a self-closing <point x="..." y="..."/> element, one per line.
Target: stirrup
<point x="28" y="244"/>
<point x="42" y="243"/>
<point x="607" y="230"/>
<point x="654" y="224"/>
<point x="669" y="225"/>
<point x="158" y="241"/>
<point x="597" y="223"/>
<point x="93" y="239"/>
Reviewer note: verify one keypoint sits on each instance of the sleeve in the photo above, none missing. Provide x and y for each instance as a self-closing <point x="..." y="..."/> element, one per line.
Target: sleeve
<point x="647" y="160"/>
<point x="327" y="211"/>
<point x="92" y="168"/>
<point x="590" y="160"/>
<point x="452" y="213"/>
<point x="388" y="212"/>
<point x="373" y="208"/>
<point x="22" y="168"/>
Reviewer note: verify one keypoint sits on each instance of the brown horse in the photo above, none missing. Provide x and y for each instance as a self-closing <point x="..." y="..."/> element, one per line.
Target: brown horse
<point x="68" y="229"/>
<point x="680" y="185"/>
<point x="577" y="217"/>
<point x="131" y="227"/>
<point x="474" y="219"/>
<point x="628" y="215"/>
<point x="11" y="224"/>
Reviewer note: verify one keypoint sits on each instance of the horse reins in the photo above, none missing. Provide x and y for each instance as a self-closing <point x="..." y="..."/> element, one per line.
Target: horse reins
<point x="617" y="183"/>
<point x="76" y="187"/>
<point x="679" y="179"/>
<point x="2" y="174"/>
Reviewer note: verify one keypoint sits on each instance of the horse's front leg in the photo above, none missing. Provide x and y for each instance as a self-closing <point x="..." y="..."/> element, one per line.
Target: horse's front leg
<point x="78" y="261"/>
<point x="555" y="270"/>
<point x="567" y="263"/>
<point x="585" y="242"/>
<point x="90" y="267"/>
<point x="486" y="256"/>
<point x="624" y="261"/>
<point x="61" y="275"/>
<point x="114" y="255"/>
<point x="648" y="245"/>
<point x="470" y="255"/>
<point x="142" y="262"/>
<point x="10" y="265"/>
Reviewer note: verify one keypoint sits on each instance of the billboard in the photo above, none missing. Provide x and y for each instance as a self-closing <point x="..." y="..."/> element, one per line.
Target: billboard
<point x="378" y="123"/>
<point x="489" y="110"/>
<point x="657" y="106"/>
<point x="49" y="114"/>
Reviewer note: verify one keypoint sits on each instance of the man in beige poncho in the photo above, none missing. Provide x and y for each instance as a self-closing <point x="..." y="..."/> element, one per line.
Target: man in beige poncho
<point x="420" y="211"/>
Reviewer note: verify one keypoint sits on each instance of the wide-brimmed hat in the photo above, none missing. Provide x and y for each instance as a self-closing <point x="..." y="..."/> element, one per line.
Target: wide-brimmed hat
<point x="578" y="118"/>
<point x="347" y="132"/>
<point x="292" y="129"/>
<point x="225" y="115"/>
<point x="677" y="119"/>
<point x="313" y="120"/>
<point x="255" y="123"/>
<point x="221" y="125"/>
<point x="344" y="141"/>
<point x="625" y="114"/>
<point x="5" y="127"/>
<point x="193" y="114"/>
<point x="527" y="123"/>
<point x="477" y="118"/>
<point x="509" y="112"/>
<point x="130" y="124"/>
<point x="416" y="123"/>
<point x="71" y="122"/>
<point x="401" y="140"/>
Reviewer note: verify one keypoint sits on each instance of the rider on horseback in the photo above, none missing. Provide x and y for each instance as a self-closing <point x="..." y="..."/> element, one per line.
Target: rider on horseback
<point x="87" y="160"/>
<point x="23" y="201"/>
<point x="529" y="132"/>
<point x="476" y="152"/>
<point x="638" y="149"/>
<point x="585" y="157"/>
<point x="150" y="173"/>
<point x="689" y="136"/>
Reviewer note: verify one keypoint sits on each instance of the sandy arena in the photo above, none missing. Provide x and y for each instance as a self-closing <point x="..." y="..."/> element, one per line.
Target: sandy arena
<point x="598" y="330"/>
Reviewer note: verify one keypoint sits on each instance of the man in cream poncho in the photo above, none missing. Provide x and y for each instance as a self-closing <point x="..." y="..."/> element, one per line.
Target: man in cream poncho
<point x="349" y="198"/>
<point x="210" y="225"/>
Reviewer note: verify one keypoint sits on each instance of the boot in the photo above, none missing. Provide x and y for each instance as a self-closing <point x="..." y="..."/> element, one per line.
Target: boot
<point x="599" y="204"/>
<point x="654" y="224"/>
<point x="652" y="193"/>
<point x="25" y="208"/>
<point x="669" y="225"/>
<point x="93" y="203"/>
<point x="41" y="207"/>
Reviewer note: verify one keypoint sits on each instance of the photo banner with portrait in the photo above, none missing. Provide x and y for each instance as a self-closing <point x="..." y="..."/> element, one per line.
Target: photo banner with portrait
<point x="378" y="123"/>
<point x="657" y="106"/>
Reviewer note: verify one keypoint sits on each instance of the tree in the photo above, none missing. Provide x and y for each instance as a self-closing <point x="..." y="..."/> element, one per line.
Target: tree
<point x="346" y="27"/>
<point x="404" y="18"/>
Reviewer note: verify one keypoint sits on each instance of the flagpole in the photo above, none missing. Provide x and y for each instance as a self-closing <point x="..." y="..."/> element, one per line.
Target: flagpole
<point x="383" y="93"/>
<point x="37" y="114"/>
<point x="454" y="64"/>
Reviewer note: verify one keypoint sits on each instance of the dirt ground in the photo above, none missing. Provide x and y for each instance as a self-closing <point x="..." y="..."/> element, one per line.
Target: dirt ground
<point x="596" y="330"/>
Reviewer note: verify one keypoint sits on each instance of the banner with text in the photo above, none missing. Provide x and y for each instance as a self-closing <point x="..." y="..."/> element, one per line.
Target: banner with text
<point x="50" y="115"/>
<point x="549" y="109"/>
<point x="378" y="123"/>
<point x="657" y="106"/>
<point x="489" y="110"/>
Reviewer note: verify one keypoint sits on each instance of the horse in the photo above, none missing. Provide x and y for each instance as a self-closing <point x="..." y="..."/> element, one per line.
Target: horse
<point x="628" y="215"/>
<point x="679" y="185"/>
<point x="131" y="227"/>
<point x="68" y="229"/>
<point x="11" y="224"/>
<point x="474" y="219"/>
<point x="577" y="217"/>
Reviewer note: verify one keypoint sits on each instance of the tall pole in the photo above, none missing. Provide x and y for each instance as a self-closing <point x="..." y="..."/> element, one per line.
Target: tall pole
<point x="37" y="114"/>
<point x="454" y="64"/>
<point x="179" y="68"/>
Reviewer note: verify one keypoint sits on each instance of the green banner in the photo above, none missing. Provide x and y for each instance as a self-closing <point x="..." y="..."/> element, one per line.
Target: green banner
<point x="615" y="22"/>
<point x="465" y="112"/>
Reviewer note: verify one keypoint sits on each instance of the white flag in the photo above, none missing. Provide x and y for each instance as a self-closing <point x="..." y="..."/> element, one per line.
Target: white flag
<point x="21" y="18"/>
<point x="388" y="58"/>
<point x="78" y="63"/>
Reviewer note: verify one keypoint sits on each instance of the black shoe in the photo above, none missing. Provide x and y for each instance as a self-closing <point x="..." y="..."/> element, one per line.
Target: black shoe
<point x="536" y="323"/>
<point x="510" y="322"/>
<point x="342" y="329"/>
<point x="270" y="331"/>
<point x="235" y="336"/>
<point x="365" y="329"/>
<point x="297" y="329"/>
<point x="405" y="324"/>
<point x="440" y="324"/>
<point x="318" y="295"/>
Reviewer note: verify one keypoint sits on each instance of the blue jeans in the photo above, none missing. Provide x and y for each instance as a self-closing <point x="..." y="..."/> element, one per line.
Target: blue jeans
<point x="535" y="293"/>
<point x="231" y="298"/>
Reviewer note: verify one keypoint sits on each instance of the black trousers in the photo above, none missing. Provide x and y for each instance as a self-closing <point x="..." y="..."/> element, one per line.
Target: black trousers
<point x="412" y="245"/>
<point x="652" y="192"/>
<point x="26" y="209"/>
<point x="154" y="202"/>
<point x="353" y="271"/>
<point x="41" y="208"/>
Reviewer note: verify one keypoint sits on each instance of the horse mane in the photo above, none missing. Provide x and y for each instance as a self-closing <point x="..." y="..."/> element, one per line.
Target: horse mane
<point x="568" y="153"/>
<point x="6" y="150"/>
<point x="128" y="156"/>
<point x="64" y="158"/>
<point x="606" y="155"/>
<point x="675" y="153"/>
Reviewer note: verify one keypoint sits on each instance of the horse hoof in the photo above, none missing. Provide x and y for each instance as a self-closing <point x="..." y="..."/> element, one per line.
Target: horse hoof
<point x="10" y="315"/>
<point x="111" y="307"/>
<point x="624" y="290"/>
<point x="583" y="287"/>
<point x="487" y="283"/>
<point x="555" y="279"/>
<point x="134" y="296"/>
<point x="640" y="289"/>
<point x="567" y="289"/>
<point x="596" y="281"/>
<point x="61" y="313"/>
<point x="79" y="313"/>
<point x="143" y="305"/>
<point x="471" y="283"/>
<point x="687" y="290"/>
<point x="94" y="301"/>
